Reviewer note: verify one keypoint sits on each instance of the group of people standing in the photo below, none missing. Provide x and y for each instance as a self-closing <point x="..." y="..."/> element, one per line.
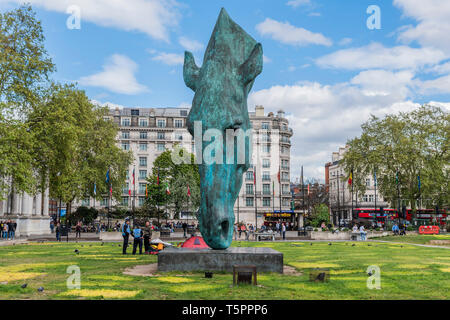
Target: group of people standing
<point x="140" y="235"/>
<point x="8" y="229"/>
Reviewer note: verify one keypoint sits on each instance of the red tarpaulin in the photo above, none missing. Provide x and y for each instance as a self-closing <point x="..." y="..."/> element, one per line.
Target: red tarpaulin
<point x="195" y="243"/>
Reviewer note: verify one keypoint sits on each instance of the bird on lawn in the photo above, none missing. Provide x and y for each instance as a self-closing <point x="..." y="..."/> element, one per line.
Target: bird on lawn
<point x="353" y="245"/>
<point x="329" y="243"/>
<point x="311" y="243"/>
<point x="24" y="286"/>
<point x="40" y="289"/>
<point x="76" y="251"/>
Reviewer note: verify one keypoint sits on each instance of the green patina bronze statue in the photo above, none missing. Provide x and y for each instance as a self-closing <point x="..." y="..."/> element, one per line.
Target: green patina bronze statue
<point x="232" y="61"/>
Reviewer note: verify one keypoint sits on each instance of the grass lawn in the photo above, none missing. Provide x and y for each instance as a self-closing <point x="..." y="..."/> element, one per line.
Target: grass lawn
<point x="415" y="238"/>
<point x="407" y="272"/>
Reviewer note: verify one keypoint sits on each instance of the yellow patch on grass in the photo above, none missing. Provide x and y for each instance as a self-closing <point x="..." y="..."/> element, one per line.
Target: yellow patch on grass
<point x="311" y="265"/>
<point x="174" y="279"/>
<point x="105" y="293"/>
<point x="15" y="276"/>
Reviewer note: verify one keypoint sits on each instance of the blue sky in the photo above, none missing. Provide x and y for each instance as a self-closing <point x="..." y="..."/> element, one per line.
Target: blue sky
<point x="323" y="65"/>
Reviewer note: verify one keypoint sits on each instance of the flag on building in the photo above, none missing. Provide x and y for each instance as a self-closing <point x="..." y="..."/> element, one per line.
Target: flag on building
<point x="157" y="177"/>
<point x="95" y="189"/>
<point x="133" y="178"/>
<point x="278" y="176"/>
<point x="350" y="178"/>
<point x="188" y="191"/>
<point x="273" y="187"/>
<point x="167" y="188"/>
<point x="129" y="191"/>
<point x="146" y="190"/>
<point x="418" y="182"/>
<point x="308" y="189"/>
<point x="254" y="176"/>
<point x="110" y="190"/>
<point x="375" y="177"/>
<point x="107" y="176"/>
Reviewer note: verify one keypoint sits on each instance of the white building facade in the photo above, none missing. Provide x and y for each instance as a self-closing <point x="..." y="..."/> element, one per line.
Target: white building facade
<point x="148" y="132"/>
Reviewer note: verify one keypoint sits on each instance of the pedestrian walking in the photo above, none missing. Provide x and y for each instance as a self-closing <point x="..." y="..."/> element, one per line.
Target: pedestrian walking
<point x="283" y="230"/>
<point x="58" y="232"/>
<point x="185" y="229"/>
<point x="78" y="230"/>
<point x="362" y="233"/>
<point x="125" y="234"/>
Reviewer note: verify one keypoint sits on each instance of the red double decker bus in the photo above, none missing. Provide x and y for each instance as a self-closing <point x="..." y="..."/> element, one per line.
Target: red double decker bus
<point x="429" y="216"/>
<point x="374" y="216"/>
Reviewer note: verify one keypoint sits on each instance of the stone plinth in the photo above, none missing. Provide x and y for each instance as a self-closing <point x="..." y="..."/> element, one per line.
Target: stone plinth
<point x="183" y="259"/>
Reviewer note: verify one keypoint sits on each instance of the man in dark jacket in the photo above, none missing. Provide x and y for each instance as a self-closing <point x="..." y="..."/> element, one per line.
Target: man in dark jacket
<point x="147" y="231"/>
<point x="125" y="234"/>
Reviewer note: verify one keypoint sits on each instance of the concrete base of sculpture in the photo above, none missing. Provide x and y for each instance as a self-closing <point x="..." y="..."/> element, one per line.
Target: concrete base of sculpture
<point x="30" y="225"/>
<point x="182" y="259"/>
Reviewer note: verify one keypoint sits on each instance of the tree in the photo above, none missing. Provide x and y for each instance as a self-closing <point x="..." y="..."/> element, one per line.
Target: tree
<point x="178" y="177"/>
<point x="84" y="214"/>
<point x="24" y="73"/>
<point x="76" y="146"/>
<point x="319" y="214"/>
<point x="402" y="149"/>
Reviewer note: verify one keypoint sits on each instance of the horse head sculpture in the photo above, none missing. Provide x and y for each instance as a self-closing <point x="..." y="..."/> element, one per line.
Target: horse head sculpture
<point x="232" y="61"/>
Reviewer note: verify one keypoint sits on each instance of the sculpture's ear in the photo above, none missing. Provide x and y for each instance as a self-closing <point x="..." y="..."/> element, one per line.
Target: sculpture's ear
<point x="252" y="67"/>
<point x="190" y="71"/>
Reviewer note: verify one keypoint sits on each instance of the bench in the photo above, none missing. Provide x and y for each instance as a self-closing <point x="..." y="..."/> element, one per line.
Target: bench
<point x="244" y="274"/>
<point x="264" y="235"/>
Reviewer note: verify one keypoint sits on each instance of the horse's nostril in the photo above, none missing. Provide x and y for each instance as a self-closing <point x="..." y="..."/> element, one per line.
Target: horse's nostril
<point x="224" y="228"/>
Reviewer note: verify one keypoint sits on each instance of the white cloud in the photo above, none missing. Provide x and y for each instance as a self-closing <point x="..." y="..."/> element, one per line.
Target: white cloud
<point x="298" y="3"/>
<point x="190" y="45"/>
<point x="111" y="105"/>
<point x="433" y="25"/>
<point x="152" y="17"/>
<point x="345" y="41"/>
<point x="286" y="33"/>
<point x="118" y="76"/>
<point x="266" y="59"/>
<point x="324" y="117"/>
<point x="171" y="59"/>
<point x="438" y="85"/>
<point x="377" y="56"/>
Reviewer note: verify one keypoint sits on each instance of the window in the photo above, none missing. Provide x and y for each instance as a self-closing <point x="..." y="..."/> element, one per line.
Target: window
<point x="284" y="149"/>
<point x="143" y="146"/>
<point x="285" y="189"/>
<point x="266" y="188"/>
<point x="161" y="123"/>
<point x="142" y="174"/>
<point x="143" y="122"/>
<point x="371" y="198"/>
<point x="104" y="202"/>
<point x="266" y="163"/>
<point x="142" y="188"/>
<point x="249" y="175"/>
<point x="125" y="146"/>
<point x="126" y="122"/>
<point x="249" y="188"/>
<point x="143" y="161"/>
<point x="266" y="202"/>
<point x="365" y="198"/>
<point x="160" y="146"/>
<point x="161" y="136"/>
<point x="141" y="201"/>
<point x="178" y="123"/>
<point x="249" y="202"/>
<point x="284" y="164"/>
<point x="266" y="176"/>
<point x="135" y="112"/>
<point x="285" y="176"/>
<point x="368" y="182"/>
<point x="266" y="148"/>
<point x="125" y="201"/>
<point x="85" y="202"/>
<point x="125" y="134"/>
<point x="178" y="136"/>
<point x="265" y="126"/>
<point x="183" y="113"/>
<point x="143" y="135"/>
<point x="128" y="175"/>
<point x="285" y="202"/>
<point x="126" y="188"/>
<point x="265" y="137"/>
